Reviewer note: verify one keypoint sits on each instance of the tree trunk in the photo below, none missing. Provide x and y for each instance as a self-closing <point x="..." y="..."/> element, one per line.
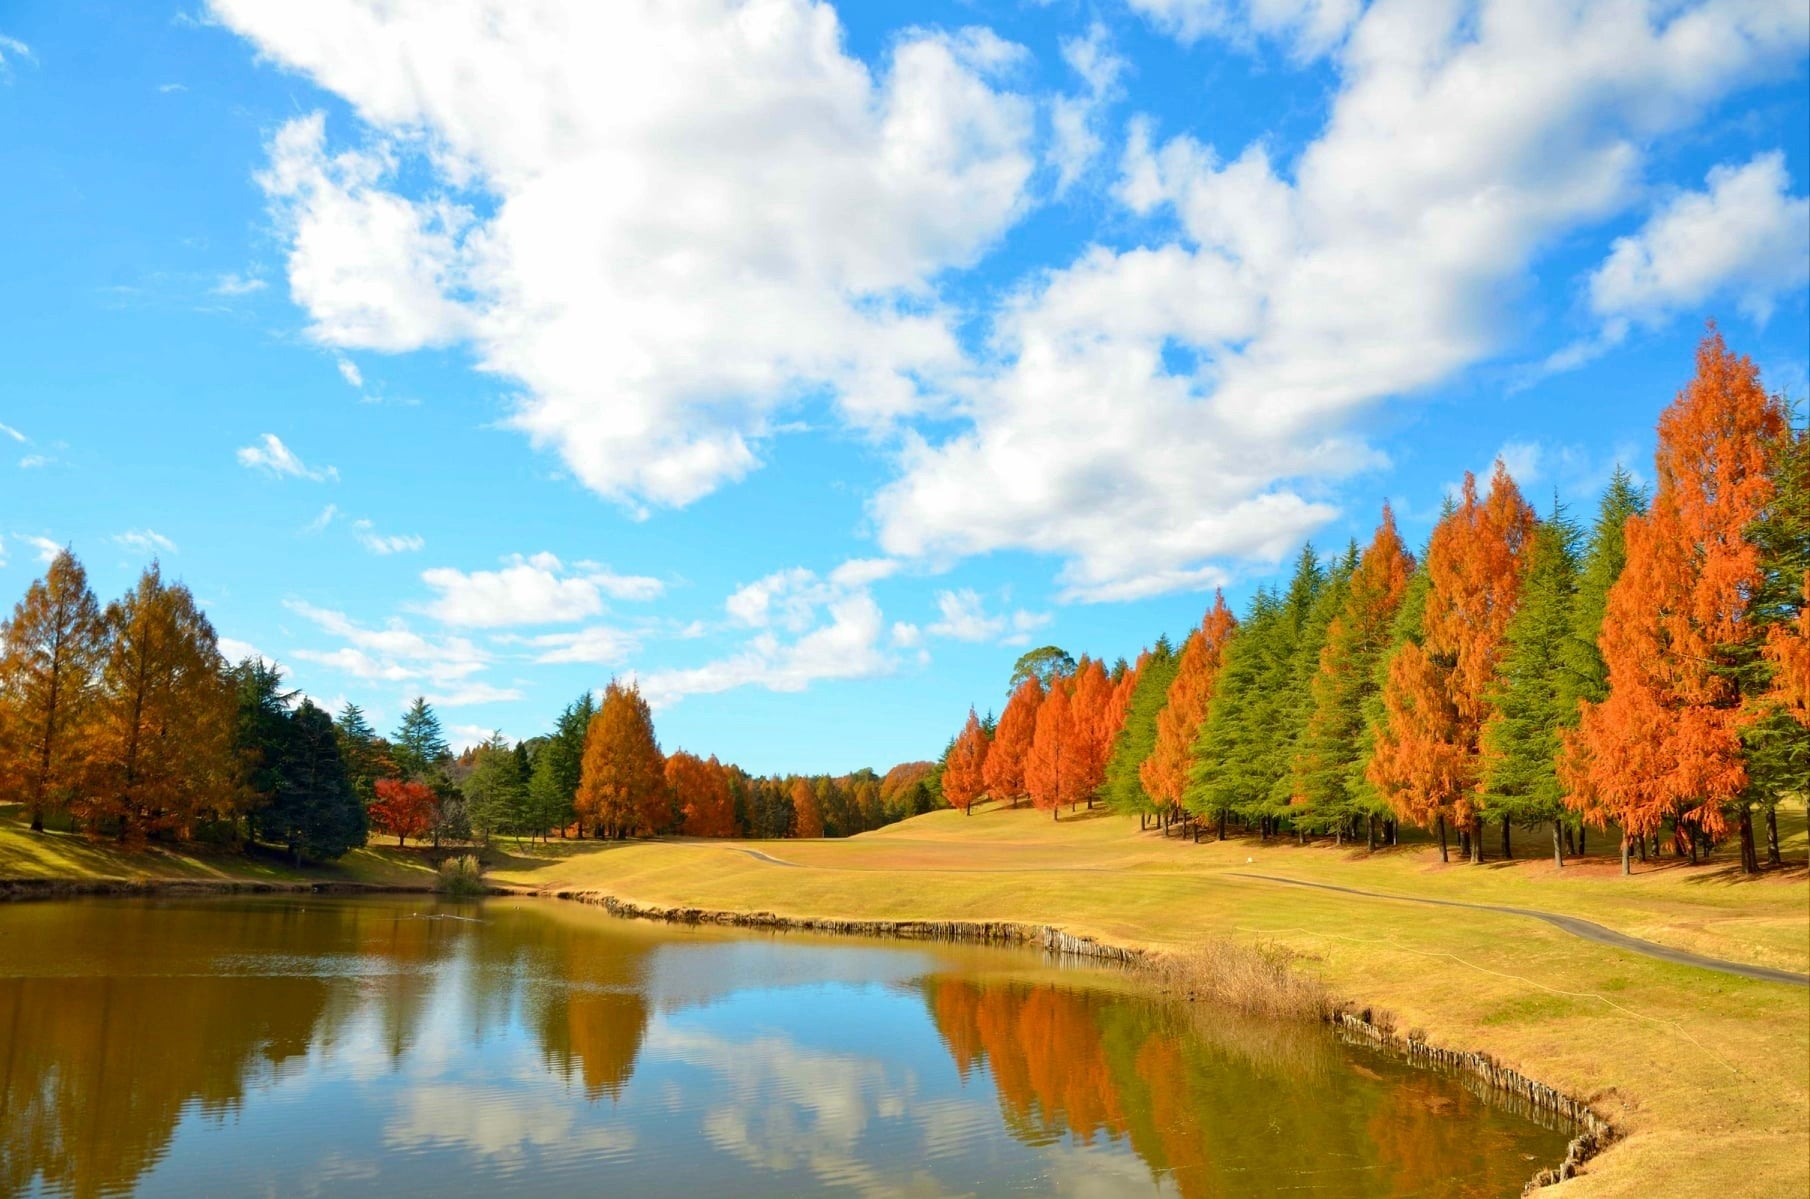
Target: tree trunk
<point x="1580" y="841"/>
<point x="1626" y="868"/>
<point x="1370" y="832"/>
<point x="1558" y="847"/>
<point x="37" y="820"/>
<point x="1750" y="858"/>
<point x="1442" y="849"/>
<point x="1772" y="837"/>
<point x="1222" y="824"/>
<point x="1508" y="845"/>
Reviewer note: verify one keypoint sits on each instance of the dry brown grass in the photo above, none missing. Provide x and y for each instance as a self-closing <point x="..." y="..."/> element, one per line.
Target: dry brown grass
<point x="1255" y="979"/>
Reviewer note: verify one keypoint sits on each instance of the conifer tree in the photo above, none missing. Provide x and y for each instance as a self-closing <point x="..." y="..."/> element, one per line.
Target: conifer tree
<point x="160" y="743"/>
<point x="1096" y="716"/>
<point x="1123" y="789"/>
<point x="1427" y="755"/>
<point x="312" y="811"/>
<point x="1052" y="767"/>
<point x="807" y="812"/>
<point x="1679" y="637"/>
<point x="1586" y="678"/>
<point x="1004" y="769"/>
<point x="1531" y="699"/>
<point x="1164" y="773"/>
<point x="1329" y="757"/>
<point x="419" y="746"/>
<point x="365" y="755"/>
<point x="50" y="656"/>
<point x="493" y="789"/>
<point x="964" y="772"/>
<point x="622" y="788"/>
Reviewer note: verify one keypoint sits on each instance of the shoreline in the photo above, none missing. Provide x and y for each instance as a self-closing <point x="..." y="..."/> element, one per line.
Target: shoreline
<point x="34" y="890"/>
<point x="1594" y="1131"/>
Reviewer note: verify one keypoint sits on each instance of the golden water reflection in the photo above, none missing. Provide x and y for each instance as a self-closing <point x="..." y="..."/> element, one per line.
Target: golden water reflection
<point x="387" y="1047"/>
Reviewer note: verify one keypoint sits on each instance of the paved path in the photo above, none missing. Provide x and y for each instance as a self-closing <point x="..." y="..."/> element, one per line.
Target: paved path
<point x="1586" y="929"/>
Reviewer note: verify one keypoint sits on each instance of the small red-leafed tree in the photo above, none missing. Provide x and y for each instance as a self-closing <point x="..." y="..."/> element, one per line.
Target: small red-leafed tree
<point x="403" y="808"/>
<point x="964" y="773"/>
<point x="1004" y="770"/>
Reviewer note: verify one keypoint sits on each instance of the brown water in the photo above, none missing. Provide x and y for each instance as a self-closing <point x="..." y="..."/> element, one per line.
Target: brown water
<point x="326" y="1046"/>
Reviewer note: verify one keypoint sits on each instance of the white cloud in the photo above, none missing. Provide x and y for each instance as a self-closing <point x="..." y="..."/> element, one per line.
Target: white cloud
<point x="692" y="214"/>
<point x="320" y="523"/>
<point x="599" y="644"/>
<point x="234" y="650"/>
<point x="1160" y="410"/>
<point x="906" y="635"/>
<point x="468" y="694"/>
<point x="1309" y="27"/>
<point x="835" y="625"/>
<point x="9" y="431"/>
<point x="13" y="47"/>
<point x="269" y="454"/>
<point x="965" y="618"/>
<point x="47" y="550"/>
<point x="238" y="285"/>
<point x="33" y="461"/>
<point x="348" y="370"/>
<point x="394" y="653"/>
<point x="1744" y="236"/>
<point x="171" y="88"/>
<point x="533" y="590"/>
<point x="148" y="541"/>
<point x="1075" y="119"/>
<point x="382" y="543"/>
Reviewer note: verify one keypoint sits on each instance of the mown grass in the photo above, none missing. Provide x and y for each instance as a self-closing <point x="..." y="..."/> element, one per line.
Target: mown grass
<point x="1708" y="1074"/>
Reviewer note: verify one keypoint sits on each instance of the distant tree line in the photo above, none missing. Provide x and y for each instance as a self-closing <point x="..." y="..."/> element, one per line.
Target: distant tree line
<point x="1648" y="674"/>
<point x="126" y="722"/>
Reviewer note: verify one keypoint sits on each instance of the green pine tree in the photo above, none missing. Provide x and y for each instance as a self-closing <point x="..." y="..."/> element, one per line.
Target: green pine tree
<point x="1533" y="703"/>
<point x="1123" y="790"/>
<point x="313" y="811"/>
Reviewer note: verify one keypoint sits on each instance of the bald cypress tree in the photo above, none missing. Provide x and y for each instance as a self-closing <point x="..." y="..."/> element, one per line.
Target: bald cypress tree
<point x="50" y="655"/>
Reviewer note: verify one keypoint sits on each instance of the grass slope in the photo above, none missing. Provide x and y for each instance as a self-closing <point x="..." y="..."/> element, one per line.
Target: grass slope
<point x="1708" y="1074"/>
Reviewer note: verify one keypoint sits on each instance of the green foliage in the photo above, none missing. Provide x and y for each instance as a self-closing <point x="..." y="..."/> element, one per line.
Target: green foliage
<point x="1408" y="627"/>
<point x="1533" y="696"/>
<point x="261" y="730"/>
<point x="1045" y="663"/>
<point x="495" y="797"/>
<point x="419" y="747"/>
<point x="1123" y="790"/>
<point x="462" y="876"/>
<point x="312" y="811"/>
<point x="364" y="753"/>
<point x="1585" y="676"/>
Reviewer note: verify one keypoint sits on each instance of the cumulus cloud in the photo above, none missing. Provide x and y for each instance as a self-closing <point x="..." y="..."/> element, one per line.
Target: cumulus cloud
<point x="833" y="629"/>
<point x="394" y="653"/>
<point x="1308" y="27"/>
<point x="1743" y="236"/>
<point x="147" y="541"/>
<point x="1160" y="410"/>
<point x="964" y="617"/>
<point x="44" y="549"/>
<point x="530" y="590"/>
<point x="1075" y="119"/>
<point x="664" y="221"/>
<point x="270" y="455"/>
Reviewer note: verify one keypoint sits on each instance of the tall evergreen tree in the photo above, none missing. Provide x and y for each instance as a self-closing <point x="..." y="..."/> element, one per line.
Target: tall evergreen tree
<point x="1531" y="697"/>
<point x="493" y="789"/>
<point x="1123" y="790"/>
<point x="1328" y="762"/>
<point x="365" y="754"/>
<point x="313" y="811"/>
<point x="1585" y="677"/>
<point x="50" y="656"/>
<point x="419" y="745"/>
<point x="262" y="730"/>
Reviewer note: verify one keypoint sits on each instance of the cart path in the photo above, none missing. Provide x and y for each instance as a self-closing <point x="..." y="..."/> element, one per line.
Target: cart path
<point x="1587" y="929"/>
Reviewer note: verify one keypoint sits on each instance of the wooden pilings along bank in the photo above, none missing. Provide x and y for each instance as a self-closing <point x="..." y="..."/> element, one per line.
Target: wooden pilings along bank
<point x="1532" y="1097"/>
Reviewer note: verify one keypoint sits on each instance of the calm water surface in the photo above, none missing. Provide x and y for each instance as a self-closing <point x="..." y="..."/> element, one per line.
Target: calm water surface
<point x="323" y="1046"/>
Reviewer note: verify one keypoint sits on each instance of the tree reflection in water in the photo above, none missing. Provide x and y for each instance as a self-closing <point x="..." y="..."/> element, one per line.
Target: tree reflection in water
<point x="339" y="1046"/>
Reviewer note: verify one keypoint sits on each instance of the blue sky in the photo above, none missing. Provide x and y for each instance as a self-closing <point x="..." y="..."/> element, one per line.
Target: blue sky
<point x="809" y="362"/>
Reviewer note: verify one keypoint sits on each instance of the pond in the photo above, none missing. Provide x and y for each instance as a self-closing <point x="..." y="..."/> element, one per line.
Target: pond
<point x="398" y="1046"/>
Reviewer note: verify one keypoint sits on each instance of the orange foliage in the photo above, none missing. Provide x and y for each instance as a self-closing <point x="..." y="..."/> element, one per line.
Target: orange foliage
<point x="1428" y="758"/>
<point x="807" y="813"/>
<point x="622" y="788"/>
<point x="1004" y="769"/>
<point x="1788" y="647"/>
<point x="1666" y="742"/>
<point x="403" y="808"/>
<point x="1097" y="717"/>
<point x="701" y="789"/>
<point x="1053" y="768"/>
<point x="964" y="775"/>
<point x="1165" y="772"/>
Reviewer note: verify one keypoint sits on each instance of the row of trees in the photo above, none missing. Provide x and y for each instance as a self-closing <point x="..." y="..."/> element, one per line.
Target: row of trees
<point x="1649" y="674"/>
<point x="126" y="721"/>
